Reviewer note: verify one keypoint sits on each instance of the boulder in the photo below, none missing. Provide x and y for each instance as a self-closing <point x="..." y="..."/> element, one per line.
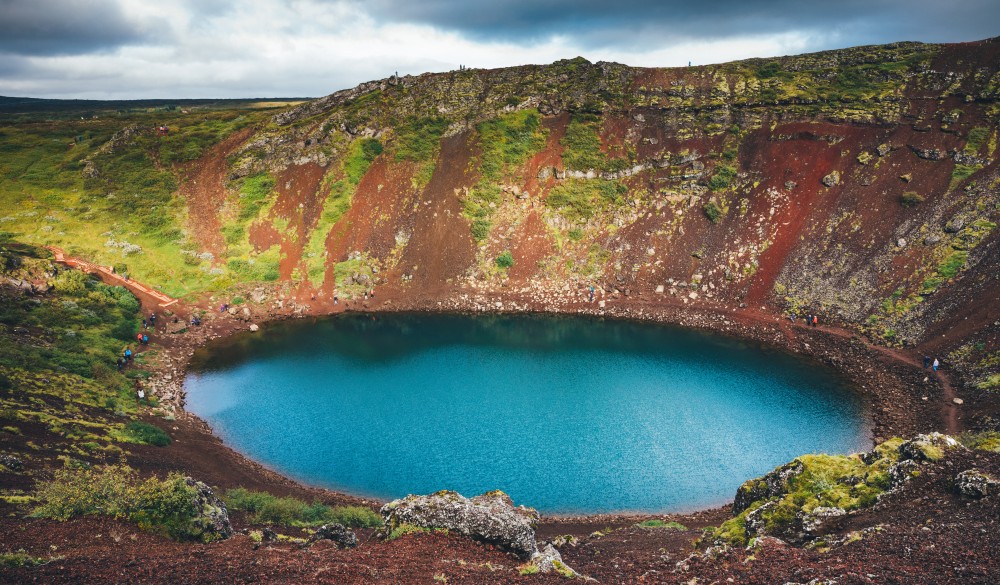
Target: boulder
<point x="491" y="518"/>
<point x="211" y="518"/>
<point x="813" y="521"/>
<point x="771" y="485"/>
<point x="929" y="447"/>
<point x="954" y="226"/>
<point x="336" y="533"/>
<point x="548" y="559"/>
<point x="900" y="473"/>
<point x="832" y="180"/>
<point x="973" y="483"/>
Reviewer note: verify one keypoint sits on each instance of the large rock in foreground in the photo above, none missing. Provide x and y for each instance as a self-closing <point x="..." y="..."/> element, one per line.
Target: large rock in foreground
<point x="491" y="517"/>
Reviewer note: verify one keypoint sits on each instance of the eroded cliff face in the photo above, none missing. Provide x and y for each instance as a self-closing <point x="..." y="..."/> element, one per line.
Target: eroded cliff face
<point x="859" y="184"/>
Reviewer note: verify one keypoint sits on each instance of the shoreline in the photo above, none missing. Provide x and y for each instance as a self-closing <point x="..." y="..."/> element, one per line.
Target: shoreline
<point x="891" y="395"/>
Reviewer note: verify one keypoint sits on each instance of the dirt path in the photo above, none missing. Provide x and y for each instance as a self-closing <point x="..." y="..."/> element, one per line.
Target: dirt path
<point x="949" y="410"/>
<point x="108" y="275"/>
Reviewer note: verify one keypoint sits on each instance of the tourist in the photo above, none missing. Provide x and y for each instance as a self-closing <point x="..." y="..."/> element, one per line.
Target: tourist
<point x="791" y="316"/>
<point x="128" y="355"/>
<point x="120" y="362"/>
<point x="224" y="308"/>
<point x="591" y="293"/>
<point x="144" y="324"/>
<point x="138" y="337"/>
<point x="142" y="394"/>
<point x="335" y="300"/>
<point x="815" y="320"/>
<point x="145" y="339"/>
<point x="936" y="364"/>
<point x="927" y="361"/>
<point x="196" y="320"/>
<point x="152" y="320"/>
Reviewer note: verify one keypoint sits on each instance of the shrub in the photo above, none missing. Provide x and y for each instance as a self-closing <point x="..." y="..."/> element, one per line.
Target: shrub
<point x="142" y="432"/>
<point x="164" y="506"/>
<point x="910" y="199"/>
<point x="505" y="260"/>
<point x="480" y="229"/>
<point x="723" y="177"/>
<point x="713" y="212"/>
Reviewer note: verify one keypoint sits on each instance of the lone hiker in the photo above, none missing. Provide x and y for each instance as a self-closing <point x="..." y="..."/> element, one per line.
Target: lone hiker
<point x="591" y="293"/>
<point x="152" y="320"/>
<point x="936" y="364"/>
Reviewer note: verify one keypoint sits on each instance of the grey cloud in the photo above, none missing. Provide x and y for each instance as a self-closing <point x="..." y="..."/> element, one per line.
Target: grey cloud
<point x="637" y="23"/>
<point x="65" y="27"/>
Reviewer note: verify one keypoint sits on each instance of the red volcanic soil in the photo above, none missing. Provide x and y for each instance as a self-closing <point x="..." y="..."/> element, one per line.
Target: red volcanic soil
<point x="204" y="190"/>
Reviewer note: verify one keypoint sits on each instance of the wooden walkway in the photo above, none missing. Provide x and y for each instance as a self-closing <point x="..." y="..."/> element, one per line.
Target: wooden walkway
<point x="107" y="274"/>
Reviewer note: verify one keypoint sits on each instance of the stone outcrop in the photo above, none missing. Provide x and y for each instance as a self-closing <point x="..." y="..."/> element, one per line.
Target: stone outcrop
<point x="491" y="518"/>
<point x="211" y="521"/>
<point x="928" y="447"/>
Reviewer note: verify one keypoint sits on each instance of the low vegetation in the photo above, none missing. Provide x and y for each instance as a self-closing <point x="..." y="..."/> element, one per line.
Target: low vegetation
<point x="163" y="506"/>
<point x="264" y="508"/>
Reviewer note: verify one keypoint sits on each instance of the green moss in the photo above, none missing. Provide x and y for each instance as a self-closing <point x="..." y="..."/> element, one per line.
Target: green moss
<point x="977" y="138"/>
<point x="582" y="146"/>
<point x="580" y="199"/>
<point x="418" y="139"/>
<point x="404" y="529"/>
<point x="142" y="432"/>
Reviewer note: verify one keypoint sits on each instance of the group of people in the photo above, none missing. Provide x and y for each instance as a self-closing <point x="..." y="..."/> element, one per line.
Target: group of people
<point x="928" y="363"/>
<point x="811" y="319"/>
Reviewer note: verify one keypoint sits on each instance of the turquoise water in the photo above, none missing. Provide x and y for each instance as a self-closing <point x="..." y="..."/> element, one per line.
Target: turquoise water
<point x="564" y="414"/>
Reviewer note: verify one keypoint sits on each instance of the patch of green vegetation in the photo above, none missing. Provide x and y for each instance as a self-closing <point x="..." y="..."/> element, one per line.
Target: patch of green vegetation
<point x="582" y="146"/>
<point x="992" y="382"/>
<point x="507" y="142"/>
<point x="580" y="199"/>
<point x="264" y="508"/>
<point x="19" y="559"/>
<point x="911" y="199"/>
<point x="418" y="140"/>
<point x="528" y="569"/>
<point x="404" y="529"/>
<point x="723" y="177"/>
<point x="961" y="173"/>
<point x="162" y="506"/>
<point x="713" y="212"/>
<point x="354" y="276"/>
<point x="142" y="432"/>
<point x="977" y="138"/>
<point x="662" y="524"/>
<point x="827" y="481"/>
<point x="255" y="191"/>
<point x="984" y="441"/>
<point x="355" y="164"/>
<point x="505" y="260"/>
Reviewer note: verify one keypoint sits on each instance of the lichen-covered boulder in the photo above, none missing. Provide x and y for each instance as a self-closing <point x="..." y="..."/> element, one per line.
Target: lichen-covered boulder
<point x="491" y="517"/>
<point x="336" y="533"/>
<point x="773" y="484"/>
<point x="211" y="521"/>
<point x="12" y="463"/>
<point x="813" y="521"/>
<point x="930" y="447"/>
<point x="832" y="180"/>
<point x="973" y="483"/>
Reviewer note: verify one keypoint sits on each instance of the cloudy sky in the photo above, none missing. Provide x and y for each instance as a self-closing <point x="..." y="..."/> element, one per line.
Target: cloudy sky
<point x="113" y="49"/>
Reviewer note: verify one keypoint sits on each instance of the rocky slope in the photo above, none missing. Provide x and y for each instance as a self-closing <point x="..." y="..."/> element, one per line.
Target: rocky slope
<point x="860" y="185"/>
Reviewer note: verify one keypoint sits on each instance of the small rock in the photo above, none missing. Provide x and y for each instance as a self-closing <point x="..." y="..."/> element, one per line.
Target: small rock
<point x="789" y="185"/>
<point x="336" y="533"/>
<point x="12" y="463"/>
<point x="954" y="226"/>
<point x="958" y="401"/>
<point x="906" y="178"/>
<point x="659" y="289"/>
<point x="832" y="180"/>
<point x="254" y="327"/>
